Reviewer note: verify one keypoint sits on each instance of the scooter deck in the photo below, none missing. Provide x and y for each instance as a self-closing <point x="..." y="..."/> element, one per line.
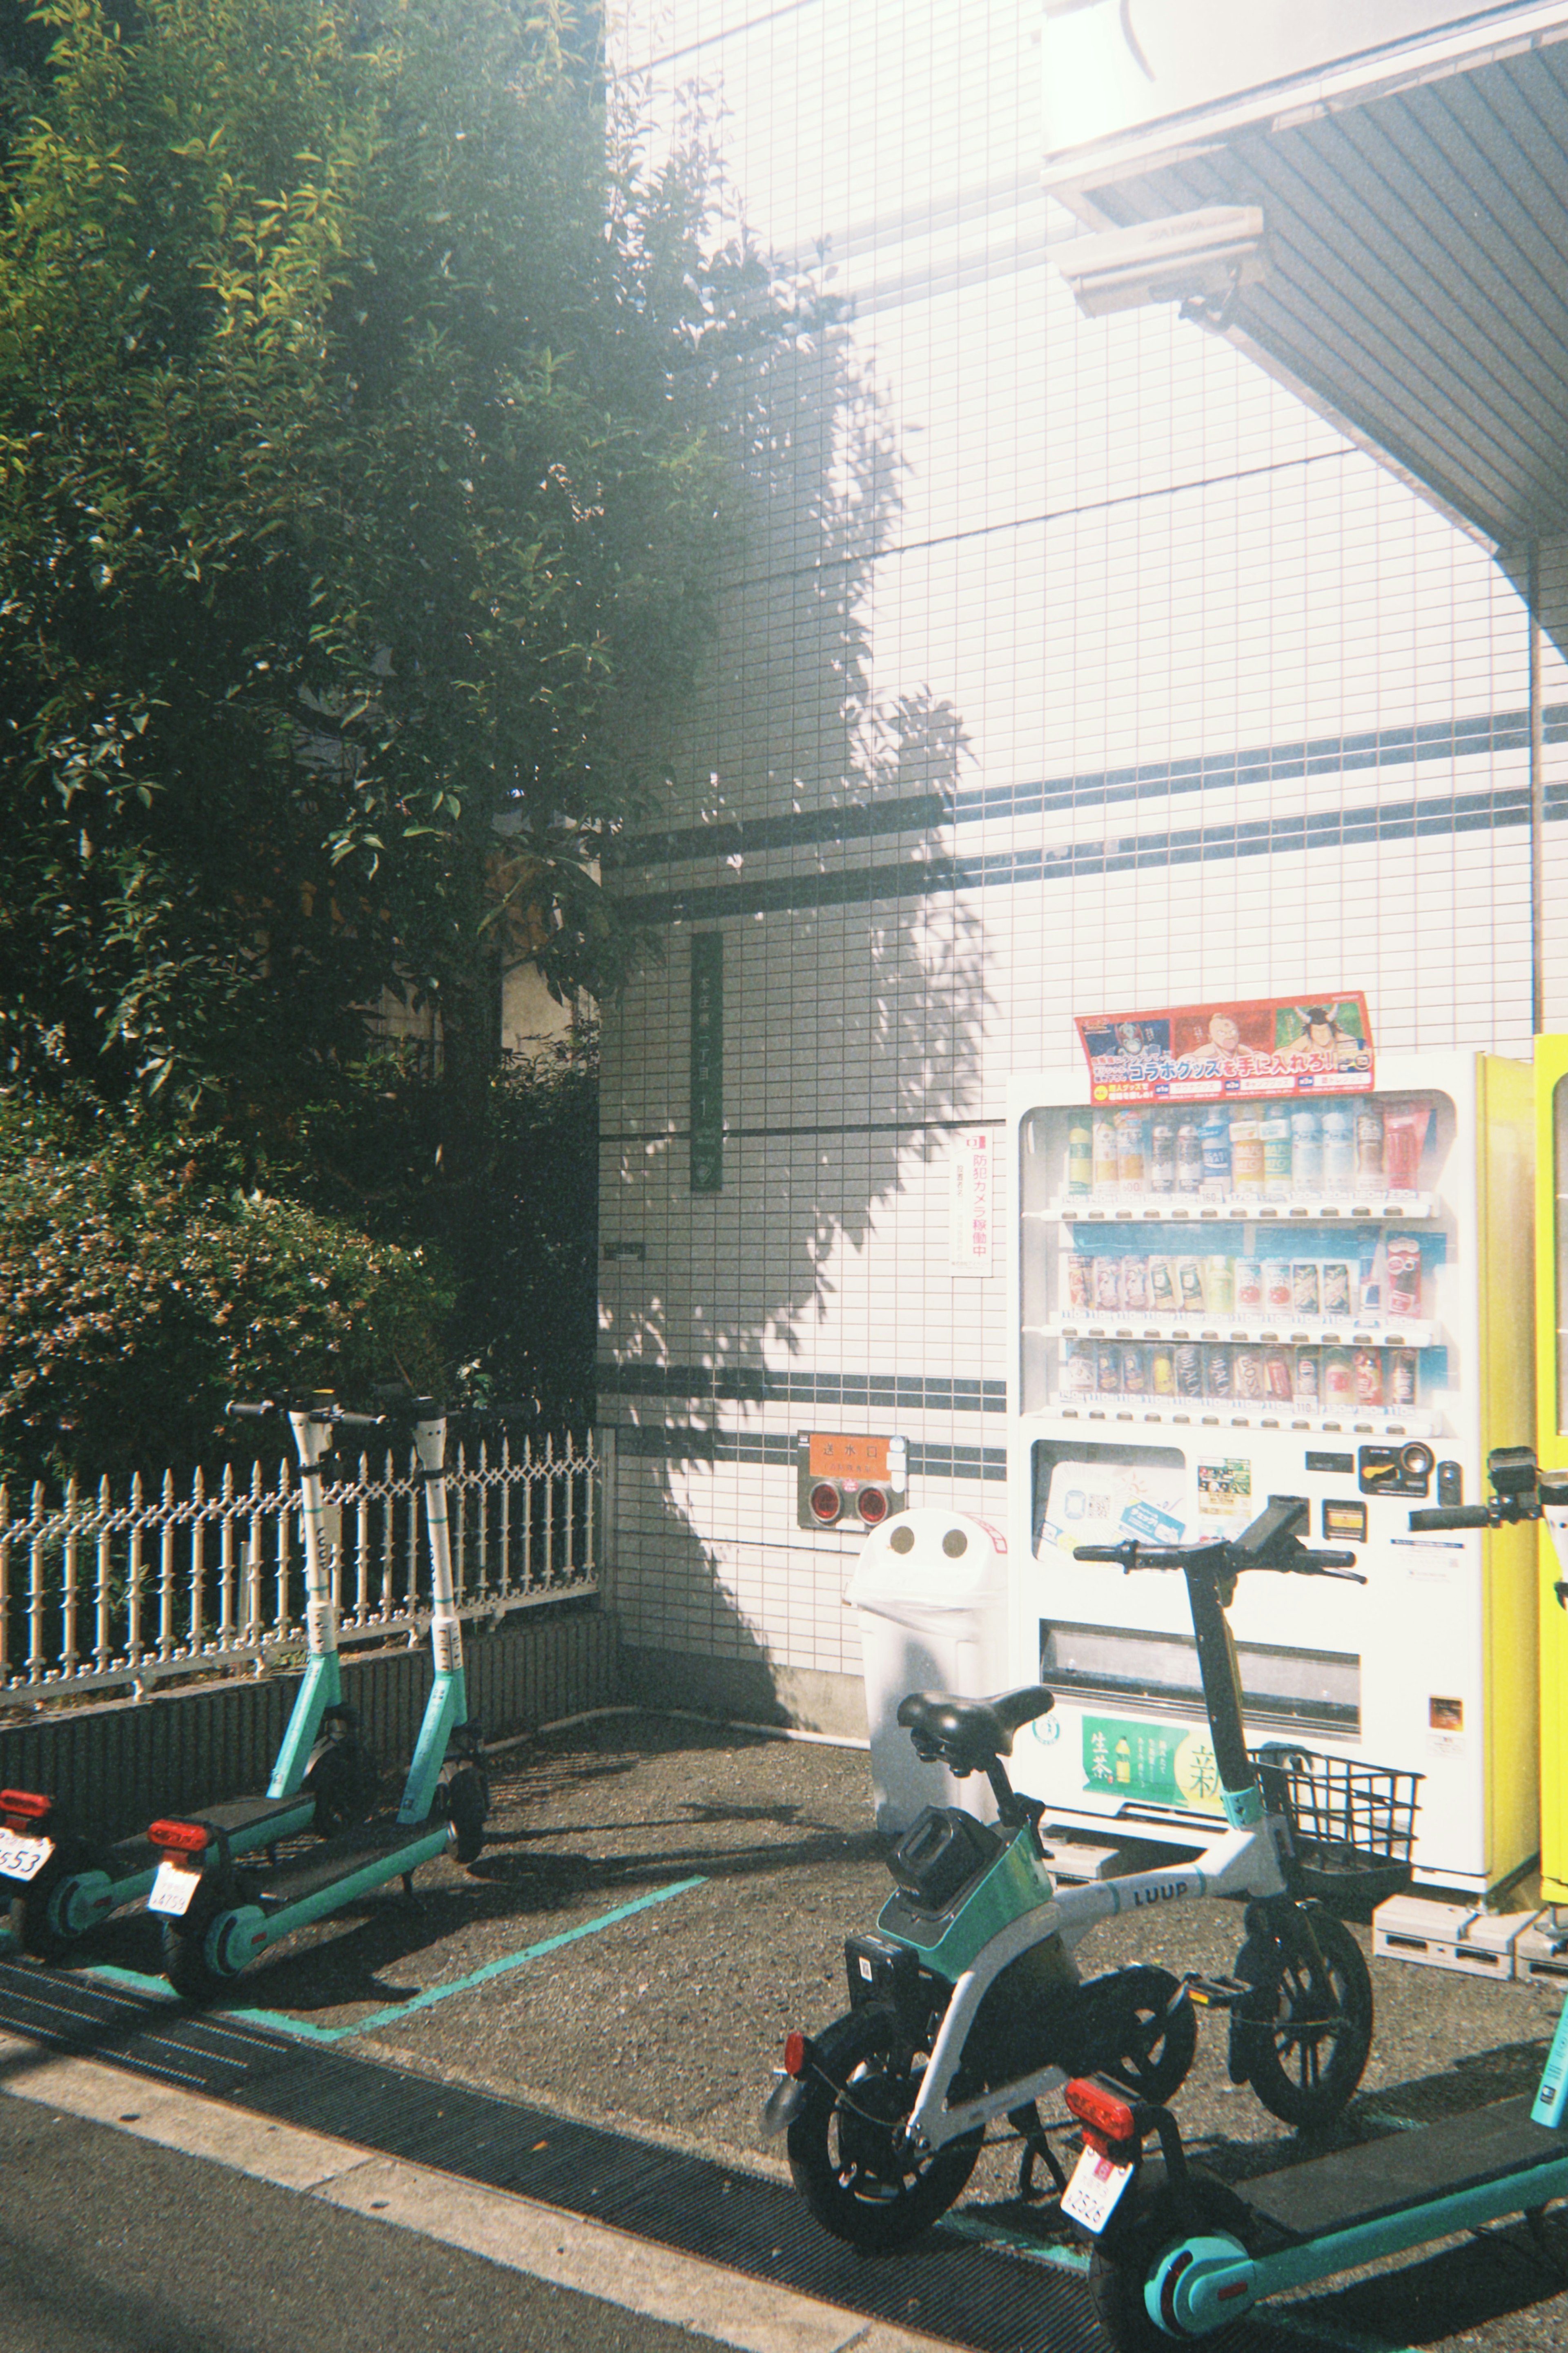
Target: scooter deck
<point x="338" y="1858"/>
<point x="235" y="1816"/>
<point x="1403" y="2170"/>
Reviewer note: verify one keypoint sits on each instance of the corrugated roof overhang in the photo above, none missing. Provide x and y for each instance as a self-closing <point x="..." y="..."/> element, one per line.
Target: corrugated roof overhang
<point x="1416" y="205"/>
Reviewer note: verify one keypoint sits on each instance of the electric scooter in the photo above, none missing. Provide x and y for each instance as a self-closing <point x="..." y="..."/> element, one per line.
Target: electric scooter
<point x="219" y="1913"/>
<point x="61" y="1882"/>
<point x="1178" y="2254"/>
<point x="966" y="2003"/>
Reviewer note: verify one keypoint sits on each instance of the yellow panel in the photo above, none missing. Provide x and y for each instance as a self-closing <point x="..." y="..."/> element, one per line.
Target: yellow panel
<point x="1505" y="1101"/>
<point x="1551" y="1393"/>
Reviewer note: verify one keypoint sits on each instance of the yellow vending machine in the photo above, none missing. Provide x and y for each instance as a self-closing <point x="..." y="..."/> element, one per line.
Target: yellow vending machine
<point x="1552" y="1446"/>
<point x="1201" y="1323"/>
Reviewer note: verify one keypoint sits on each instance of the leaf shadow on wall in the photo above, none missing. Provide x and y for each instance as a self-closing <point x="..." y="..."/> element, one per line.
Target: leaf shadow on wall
<point x="809" y="830"/>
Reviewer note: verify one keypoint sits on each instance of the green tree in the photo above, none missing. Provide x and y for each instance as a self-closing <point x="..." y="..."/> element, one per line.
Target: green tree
<point x="139" y="1288"/>
<point x="354" y="495"/>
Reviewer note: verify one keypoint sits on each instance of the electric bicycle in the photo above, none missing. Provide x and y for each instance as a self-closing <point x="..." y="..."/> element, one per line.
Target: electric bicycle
<point x="966" y="2004"/>
<point x="220" y="1912"/>
<point x="62" y="1881"/>
<point x="1178" y="2254"/>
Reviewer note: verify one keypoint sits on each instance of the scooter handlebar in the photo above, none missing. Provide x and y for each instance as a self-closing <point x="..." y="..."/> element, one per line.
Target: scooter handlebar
<point x="1227" y="1557"/>
<point x="1457" y="1516"/>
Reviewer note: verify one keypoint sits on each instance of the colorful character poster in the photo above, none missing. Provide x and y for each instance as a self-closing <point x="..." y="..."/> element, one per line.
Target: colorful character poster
<point x="1251" y="1046"/>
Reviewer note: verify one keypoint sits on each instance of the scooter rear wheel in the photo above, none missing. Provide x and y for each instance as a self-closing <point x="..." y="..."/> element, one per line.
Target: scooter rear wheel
<point x="1302" y="2040"/>
<point x="859" y="2183"/>
<point x="187" y="1968"/>
<point x="467" y="1800"/>
<point x="1124" y="2259"/>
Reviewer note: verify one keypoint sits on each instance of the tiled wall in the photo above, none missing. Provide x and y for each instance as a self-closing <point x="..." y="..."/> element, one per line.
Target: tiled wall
<point x="1066" y="665"/>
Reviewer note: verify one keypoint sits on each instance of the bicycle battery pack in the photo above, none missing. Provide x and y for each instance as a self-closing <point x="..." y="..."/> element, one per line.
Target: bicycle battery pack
<point x="941" y="1853"/>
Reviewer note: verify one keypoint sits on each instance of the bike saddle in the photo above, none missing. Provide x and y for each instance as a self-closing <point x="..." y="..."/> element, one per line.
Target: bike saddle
<point x="970" y="1734"/>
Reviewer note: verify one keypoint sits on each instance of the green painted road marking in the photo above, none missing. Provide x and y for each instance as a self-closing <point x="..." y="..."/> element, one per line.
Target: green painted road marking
<point x="389" y="2017"/>
<point x="302" y="2028"/>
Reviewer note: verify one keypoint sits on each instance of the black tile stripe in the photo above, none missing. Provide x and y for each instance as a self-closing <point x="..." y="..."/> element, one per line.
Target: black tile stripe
<point x="1384" y="747"/>
<point x="1445" y="814"/>
<point x="949" y="2289"/>
<point x="679" y="1442"/>
<point x="756" y="1384"/>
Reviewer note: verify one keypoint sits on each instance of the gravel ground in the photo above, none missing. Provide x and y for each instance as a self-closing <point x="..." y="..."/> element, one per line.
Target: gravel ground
<point x="669" y="2022"/>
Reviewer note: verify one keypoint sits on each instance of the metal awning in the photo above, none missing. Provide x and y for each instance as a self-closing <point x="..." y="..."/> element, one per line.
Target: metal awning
<point x="1416" y="211"/>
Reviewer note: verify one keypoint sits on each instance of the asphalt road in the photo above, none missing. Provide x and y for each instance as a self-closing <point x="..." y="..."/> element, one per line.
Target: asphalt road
<point x="660" y="1901"/>
<point x="110" y="2245"/>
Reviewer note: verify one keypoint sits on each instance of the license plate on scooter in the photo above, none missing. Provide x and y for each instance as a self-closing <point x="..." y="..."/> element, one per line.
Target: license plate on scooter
<point x="173" y="1889"/>
<point x="21" y="1857"/>
<point x="1089" y="2198"/>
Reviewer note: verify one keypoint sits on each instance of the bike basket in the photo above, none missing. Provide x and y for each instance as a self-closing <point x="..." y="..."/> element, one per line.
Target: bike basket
<point x="1351" y="1825"/>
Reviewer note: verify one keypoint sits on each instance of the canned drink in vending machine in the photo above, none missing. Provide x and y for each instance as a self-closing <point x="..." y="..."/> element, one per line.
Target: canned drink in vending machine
<point x="1309" y="1378"/>
<point x="1079" y="1370"/>
<point x="1338" y="1380"/>
<point x="1278" y="1292"/>
<point x="1189" y="1158"/>
<point x="1216" y="1373"/>
<point x="1401" y="1265"/>
<point x="1190" y="1280"/>
<point x="1108" y="1369"/>
<point x="1135" y="1284"/>
<point x="1219" y="1287"/>
<point x="1162" y="1293"/>
<point x="1079" y="1282"/>
<point x="1306" y="1293"/>
<point x="1162" y="1157"/>
<point x="1279" y="1377"/>
<point x="1336" y="1288"/>
<point x="1246" y="1376"/>
<point x="1161" y="1370"/>
<point x="1402" y="1377"/>
<point x="1134" y="1372"/>
<point x="1103" y="1162"/>
<point x="1249" y="1287"/>
<point x="1189" y="1368"/>
<point x="1107" y="1284"/>
<point x="1369" y="1378"/>
<point x="1129" y="1154"/>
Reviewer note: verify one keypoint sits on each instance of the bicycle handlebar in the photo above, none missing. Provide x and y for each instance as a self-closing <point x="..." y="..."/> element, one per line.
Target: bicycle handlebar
<point x="336" y="1414"/>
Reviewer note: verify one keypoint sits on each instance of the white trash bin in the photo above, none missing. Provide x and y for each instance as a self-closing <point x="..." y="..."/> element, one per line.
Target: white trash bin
<point x="930" y="1587"/>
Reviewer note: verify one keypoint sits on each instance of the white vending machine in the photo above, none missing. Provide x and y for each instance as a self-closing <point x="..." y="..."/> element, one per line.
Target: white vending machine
<point x="1311" y="1292"/>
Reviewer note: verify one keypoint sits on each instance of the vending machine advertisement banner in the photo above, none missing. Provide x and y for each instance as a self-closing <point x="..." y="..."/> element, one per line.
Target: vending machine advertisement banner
<point x="1163" y="1763"/>
<point x="1252" y="1046"/>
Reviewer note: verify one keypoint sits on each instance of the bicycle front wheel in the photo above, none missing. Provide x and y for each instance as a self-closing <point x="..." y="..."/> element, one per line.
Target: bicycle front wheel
<point x="1302" y="2037"/>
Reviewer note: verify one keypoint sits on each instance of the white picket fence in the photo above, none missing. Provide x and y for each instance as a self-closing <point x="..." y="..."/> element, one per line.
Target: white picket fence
<point x="97" y="1595"/>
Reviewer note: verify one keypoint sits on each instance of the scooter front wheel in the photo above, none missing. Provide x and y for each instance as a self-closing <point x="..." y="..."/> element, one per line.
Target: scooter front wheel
<point x="1303" y="2036"/>
<point x="858" y="2181"/>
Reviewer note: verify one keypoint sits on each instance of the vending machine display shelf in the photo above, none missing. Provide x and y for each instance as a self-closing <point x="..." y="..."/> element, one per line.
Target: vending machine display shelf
<point x="1323" y="1334"/>
<point x="1162" y="1209"/>
<point x="1208" y="1413"/>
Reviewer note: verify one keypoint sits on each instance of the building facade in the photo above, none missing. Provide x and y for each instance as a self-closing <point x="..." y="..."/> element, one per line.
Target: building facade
<point x="1070" y="664"/>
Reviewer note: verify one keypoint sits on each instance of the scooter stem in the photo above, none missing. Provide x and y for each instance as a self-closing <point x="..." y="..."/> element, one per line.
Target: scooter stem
<point x="1222" y="1697"/>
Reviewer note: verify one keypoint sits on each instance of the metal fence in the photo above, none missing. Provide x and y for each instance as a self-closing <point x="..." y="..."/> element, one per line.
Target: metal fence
<point x="97" y="1595"/>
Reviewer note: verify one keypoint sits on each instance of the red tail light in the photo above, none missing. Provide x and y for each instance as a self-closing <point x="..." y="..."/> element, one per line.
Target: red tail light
<point x="23" y="1808"/>
<point x="1107" y="2119"/>
<point x="178" y="1838"/>
<point x="795" y="2054"/>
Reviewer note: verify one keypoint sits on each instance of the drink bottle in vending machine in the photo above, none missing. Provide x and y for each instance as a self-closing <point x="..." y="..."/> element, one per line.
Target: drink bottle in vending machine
<point x="1320" y="1296"/>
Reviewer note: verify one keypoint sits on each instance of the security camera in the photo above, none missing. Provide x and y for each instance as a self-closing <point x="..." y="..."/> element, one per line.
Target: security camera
<point x="1200" y="259"/>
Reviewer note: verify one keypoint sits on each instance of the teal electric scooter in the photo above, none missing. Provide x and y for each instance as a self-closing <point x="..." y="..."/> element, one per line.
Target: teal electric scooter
<point x="219" y="1913"/>
<point x="60" y="1882"/>
<point x="1178" y="2254"/>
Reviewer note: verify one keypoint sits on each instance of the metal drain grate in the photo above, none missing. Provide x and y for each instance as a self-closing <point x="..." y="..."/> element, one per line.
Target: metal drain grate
<point x="976" y="2296"/>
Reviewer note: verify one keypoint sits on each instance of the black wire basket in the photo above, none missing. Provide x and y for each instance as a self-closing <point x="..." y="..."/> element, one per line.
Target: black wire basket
<point x="1351" y="1825"/>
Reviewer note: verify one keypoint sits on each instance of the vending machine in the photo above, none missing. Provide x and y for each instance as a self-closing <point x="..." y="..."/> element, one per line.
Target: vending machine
<point x="1276" y="1274"/>
<point x="1552" y="1445"/>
